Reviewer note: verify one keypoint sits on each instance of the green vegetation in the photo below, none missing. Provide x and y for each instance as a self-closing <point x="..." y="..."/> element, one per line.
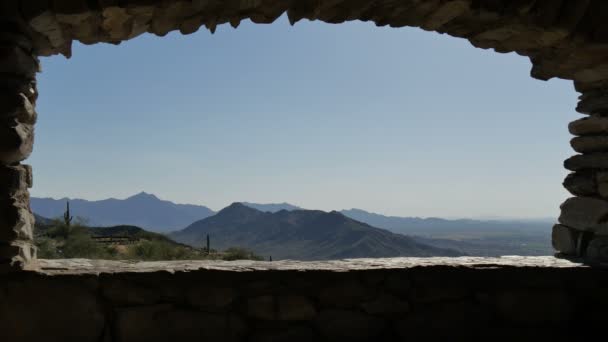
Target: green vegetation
<point x="236" y="253"/>
<point x="67" y="239"/>
<point x="161" y="250"/>
<point x="61" y="240"/>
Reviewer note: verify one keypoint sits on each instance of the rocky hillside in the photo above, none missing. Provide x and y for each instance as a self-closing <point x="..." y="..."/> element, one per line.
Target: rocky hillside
<point x="301" y="234"/>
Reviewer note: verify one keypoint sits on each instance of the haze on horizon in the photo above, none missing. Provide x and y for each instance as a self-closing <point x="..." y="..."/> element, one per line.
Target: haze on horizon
<point x="395" y="121"/>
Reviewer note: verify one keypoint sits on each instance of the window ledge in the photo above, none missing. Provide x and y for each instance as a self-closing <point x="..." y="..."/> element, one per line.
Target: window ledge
<point x="85" y="266"/>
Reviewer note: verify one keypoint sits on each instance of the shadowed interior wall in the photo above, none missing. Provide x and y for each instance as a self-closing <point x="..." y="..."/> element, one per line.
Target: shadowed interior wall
<point x="365" y="300"/>
<point x="565" y="39"/>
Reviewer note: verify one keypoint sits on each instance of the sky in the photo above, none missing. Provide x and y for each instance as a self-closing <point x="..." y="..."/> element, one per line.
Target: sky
<point x="396" y="121"/>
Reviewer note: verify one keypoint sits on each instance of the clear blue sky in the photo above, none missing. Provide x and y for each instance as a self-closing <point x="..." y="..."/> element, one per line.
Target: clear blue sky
<point x="396" y="121"/>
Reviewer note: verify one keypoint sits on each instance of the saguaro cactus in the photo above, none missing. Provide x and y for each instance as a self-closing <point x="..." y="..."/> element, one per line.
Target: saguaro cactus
<point x="208" y="244"/>
<point x="66" y="216"/>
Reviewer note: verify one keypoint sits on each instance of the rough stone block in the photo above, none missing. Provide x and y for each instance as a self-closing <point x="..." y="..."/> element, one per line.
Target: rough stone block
<point x="212" y="299"/>
<point x="386" y="305"/>
<point x="343" y="325"/>
<point x="142" y="16"/>
<point x="83" y="26"/>
<point x="22" y="249"/>
<point x="15" y="60"/>
<point x="295" y="308"/>
<point x="167" y="323"/>
<point x="581" y="183"/>
<point x="16" y="141"/>
<point x="585" y="213"/>
<point x="565" y="239"/>
<point x="191" y="25"/>
<point x="426" y="289"/>
<point x="25" y="112"/>
<point x="590" y="144"/>
<point x="398" y="284"/>
<point x="345" y="294"/>
<point x="45" y="23"/>
<point x="282" y="308"/>
<point x="13" y="38"/>
<point x="32" y="8"/>
<point x="597" y="251"/>
<point x="125" y="293"/>
<point x="70" y="6"/>
<point x="117" y="22"/>
<point x="601" y="179"/>
<point x="170" y="17"/>
<point x="587" y="161"/>
<point x="11" y="86"/>
<point x="593" y="102"/>
<point x="262" y="307"/>
<point x="71" y="311"/>
<point x="77" y="22"/>
<point x="289" y="334"/>
<point x="16" y="223"/>
<point x="572" y="13"/>
<point x="443" y="321"/>
<point x="534" y="307"/>
<point x="594" y="125"/>
<point x="15" y="255"/>
<point x="14" y="179"/>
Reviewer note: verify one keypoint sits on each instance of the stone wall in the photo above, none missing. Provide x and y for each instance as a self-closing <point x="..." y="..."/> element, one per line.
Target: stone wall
<point x="18" y="94"/>
<point x="562" y="38"/>
<point x="359" y="300"/>
<point x="583" y="228"/>
<point x="565" y="39"/>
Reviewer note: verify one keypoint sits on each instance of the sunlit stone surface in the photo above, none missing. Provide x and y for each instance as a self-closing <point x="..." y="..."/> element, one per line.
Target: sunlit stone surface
<point x="85" y="266"/>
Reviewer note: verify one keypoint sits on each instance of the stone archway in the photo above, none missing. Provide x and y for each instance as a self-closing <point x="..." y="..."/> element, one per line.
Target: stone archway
<point x="565" y="39"/>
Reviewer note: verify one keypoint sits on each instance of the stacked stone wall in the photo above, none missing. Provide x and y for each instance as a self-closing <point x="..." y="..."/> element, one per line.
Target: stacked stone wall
<point x="18" y="94"/>
<point x="509" y="302"/>
<point x="565" y="39"/>
<point x="583" y="224"/>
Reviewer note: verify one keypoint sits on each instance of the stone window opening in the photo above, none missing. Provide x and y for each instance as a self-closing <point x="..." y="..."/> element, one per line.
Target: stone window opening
<point x="398" y="299"/>
<point x="543" y="32"/>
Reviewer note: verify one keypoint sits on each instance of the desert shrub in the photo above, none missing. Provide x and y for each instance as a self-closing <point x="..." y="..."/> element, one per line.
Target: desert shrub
<point x="69" y="241"/>
<point x="238" y="253"/>
<point x="59" y="240"/>
<point x="79" y="244"/>
<point x="111" y="252"/>
<point x="160" y="250"/>
<point x="47" y="248"/>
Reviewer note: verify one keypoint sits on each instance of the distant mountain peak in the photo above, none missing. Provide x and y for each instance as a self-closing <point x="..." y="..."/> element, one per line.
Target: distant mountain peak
<point x="143" y="195"/>
<point x="238" y="208"/>
<point x="237" y="205"/>
<point x="272" y="207"/>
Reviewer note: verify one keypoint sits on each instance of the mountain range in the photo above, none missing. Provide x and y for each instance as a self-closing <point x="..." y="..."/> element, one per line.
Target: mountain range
<point x="438" y="227"/>
<point x="301" y="234"/>
<point x="142" y="210"/>
<point x="149" y="212"/>
<point x="472" y="237"/>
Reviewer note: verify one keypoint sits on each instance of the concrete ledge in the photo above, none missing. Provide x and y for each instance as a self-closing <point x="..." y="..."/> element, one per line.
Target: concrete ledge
<point x="84" y="266"/>
<point x="402" y="299"/>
